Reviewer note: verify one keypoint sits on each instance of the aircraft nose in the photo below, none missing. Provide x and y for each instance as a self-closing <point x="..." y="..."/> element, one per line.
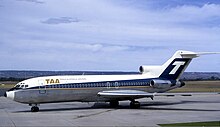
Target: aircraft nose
<point x="10" y="94"/>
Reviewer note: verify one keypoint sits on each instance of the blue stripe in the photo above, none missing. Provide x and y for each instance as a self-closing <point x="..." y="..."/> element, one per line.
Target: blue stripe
<point x="166" y="75"/>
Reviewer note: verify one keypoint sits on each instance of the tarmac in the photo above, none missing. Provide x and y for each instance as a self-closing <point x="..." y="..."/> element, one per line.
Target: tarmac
<point x="161" y="110"/>
<point x="2" y="91"/>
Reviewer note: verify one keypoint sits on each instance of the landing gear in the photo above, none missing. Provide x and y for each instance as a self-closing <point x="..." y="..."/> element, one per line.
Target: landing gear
<point x="114" y="104"/>
<point x="34" y="107"/>
<point x="135" y="104"/>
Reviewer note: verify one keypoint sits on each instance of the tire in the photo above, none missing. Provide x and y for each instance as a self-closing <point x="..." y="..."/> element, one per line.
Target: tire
<point x="114" y="104"/>
<point x="34" y="109"/>
<point x="135" y="104"/>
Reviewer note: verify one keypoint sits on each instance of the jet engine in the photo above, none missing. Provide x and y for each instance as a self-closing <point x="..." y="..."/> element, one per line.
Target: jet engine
<point x="149" y="69"/>
<point x="162" y="84"/>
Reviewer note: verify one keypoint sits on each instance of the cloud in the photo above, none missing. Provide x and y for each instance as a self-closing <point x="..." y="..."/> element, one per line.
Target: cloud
<point x="60" y="20"/>
<point x="33" y="1"/>
<point x="157" y="5"/>
<point x="56" y="46"/>
<point x="206" y="14"/>
<point x="105" y="34"/>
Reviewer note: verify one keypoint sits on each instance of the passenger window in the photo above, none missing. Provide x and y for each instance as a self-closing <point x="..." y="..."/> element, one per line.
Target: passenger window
<point x="22" y="86"/>
<point x="26" y="86"/>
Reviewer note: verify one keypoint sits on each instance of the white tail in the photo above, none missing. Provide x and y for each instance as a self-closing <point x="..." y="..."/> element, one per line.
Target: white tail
<point x="175" y="66"/>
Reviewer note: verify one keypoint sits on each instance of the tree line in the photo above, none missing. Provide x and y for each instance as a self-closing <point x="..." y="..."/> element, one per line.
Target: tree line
<point x="11" y="79"/>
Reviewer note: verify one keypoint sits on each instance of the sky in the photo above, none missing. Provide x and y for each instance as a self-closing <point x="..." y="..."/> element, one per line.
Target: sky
<point x="107" y="35"/>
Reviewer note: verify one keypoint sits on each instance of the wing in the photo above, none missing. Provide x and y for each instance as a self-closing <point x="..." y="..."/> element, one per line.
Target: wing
<point x="125" y="94"/>
<point x="135" y="94"/>
<point x="186" y="94"/>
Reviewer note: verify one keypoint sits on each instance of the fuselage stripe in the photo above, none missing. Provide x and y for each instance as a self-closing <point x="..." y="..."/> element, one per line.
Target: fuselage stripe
<point x="106" y="84"/>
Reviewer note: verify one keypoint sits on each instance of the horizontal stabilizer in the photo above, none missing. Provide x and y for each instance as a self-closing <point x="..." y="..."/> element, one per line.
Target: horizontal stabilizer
<point x="207" y="53"/>
<point x="189" y="54"/>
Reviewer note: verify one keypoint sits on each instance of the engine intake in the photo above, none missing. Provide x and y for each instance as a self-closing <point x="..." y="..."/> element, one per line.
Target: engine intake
<point x="150" y="69"/>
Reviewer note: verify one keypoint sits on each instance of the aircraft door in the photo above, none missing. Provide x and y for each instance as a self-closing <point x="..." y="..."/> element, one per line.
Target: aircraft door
<point x="42" y="87"/>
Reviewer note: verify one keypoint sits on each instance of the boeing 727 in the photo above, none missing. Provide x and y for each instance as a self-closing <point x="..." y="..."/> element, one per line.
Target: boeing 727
<point x="151" y="81"/>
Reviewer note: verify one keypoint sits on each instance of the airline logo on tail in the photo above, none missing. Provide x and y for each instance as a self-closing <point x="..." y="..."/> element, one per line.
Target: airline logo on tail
<point x="177" y="65"/>
<point x="175" y="68"/>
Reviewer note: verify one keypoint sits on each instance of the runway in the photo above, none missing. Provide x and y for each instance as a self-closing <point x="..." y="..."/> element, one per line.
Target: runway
<point x="161" y="110"/>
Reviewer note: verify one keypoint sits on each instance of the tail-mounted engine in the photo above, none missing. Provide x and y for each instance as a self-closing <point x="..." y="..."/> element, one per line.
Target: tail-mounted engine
<point x="162" y="84"/>
<point x="150" y="69"/>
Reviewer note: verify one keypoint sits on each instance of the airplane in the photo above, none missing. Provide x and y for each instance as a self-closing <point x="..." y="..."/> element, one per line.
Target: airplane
<point x="151" y="81"/>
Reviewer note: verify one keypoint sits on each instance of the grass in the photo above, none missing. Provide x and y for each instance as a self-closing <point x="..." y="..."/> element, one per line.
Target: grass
<point x="199" y="86"/>
<point x="193" y="124"/>
<point x="7" y="84"/>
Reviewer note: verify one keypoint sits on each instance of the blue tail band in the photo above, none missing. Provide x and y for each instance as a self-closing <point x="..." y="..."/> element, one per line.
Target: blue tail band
<point x="175" y="68"/>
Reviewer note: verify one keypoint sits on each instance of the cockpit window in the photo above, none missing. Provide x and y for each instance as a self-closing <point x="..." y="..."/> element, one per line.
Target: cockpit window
<point x="26" y="86"/>
<point x="22" y="86"/>
<point x="17" y="86"/>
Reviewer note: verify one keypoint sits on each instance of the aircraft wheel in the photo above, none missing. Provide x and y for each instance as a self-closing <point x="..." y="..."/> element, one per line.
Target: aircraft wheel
<point x="114" y="104"/>
<point x="34" y="109"/>
<point x="135" y="104"/>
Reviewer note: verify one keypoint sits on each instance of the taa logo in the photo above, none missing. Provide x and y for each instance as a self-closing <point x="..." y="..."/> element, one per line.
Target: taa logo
<point x="52" y="81"/>
<point x="177" y="65"/>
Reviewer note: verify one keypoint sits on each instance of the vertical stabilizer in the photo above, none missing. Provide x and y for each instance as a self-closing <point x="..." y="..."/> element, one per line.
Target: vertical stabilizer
<point x="177" y="64"/>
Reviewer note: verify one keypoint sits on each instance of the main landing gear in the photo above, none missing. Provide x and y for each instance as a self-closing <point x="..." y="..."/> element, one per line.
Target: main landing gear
<point x="114" y="104"/>
<point x="133" y="104"/>
<point x="34" y="107"/>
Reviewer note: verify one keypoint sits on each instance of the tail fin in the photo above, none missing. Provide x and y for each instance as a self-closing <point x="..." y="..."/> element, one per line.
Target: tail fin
<point x="177" y="64"/>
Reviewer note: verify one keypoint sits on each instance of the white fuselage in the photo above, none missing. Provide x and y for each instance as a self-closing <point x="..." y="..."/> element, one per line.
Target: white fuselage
<point x="108" y="88"/>
<point x="78" y="88"/>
